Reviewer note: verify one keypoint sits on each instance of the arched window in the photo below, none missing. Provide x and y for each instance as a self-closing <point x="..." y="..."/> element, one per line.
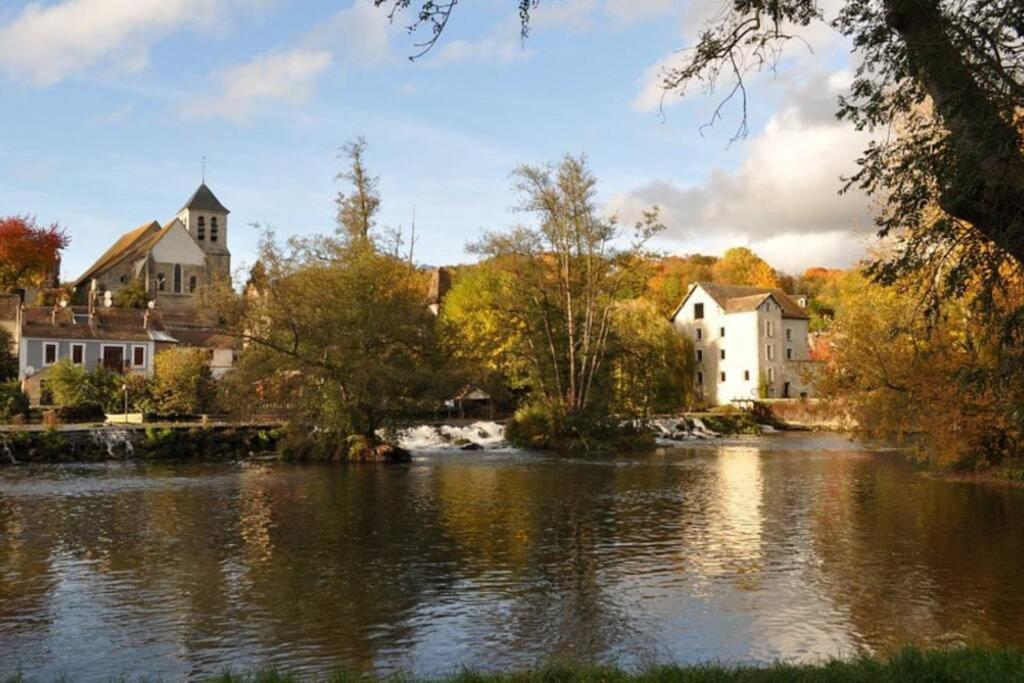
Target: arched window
<point x="202" y="222"/>
<point x="201" y="228"/>
<point x="161" y="282"/>
<point x="192" y="285"/>
<point x="177" y="279"/>
<point x="214" y="230"/>
<point x="213" y="221"/>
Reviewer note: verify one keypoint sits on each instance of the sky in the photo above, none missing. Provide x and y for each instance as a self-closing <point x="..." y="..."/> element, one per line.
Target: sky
<point x="110" y="106"/>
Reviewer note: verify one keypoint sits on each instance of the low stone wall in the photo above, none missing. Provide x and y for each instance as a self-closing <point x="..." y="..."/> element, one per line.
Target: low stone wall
<point x="95" y="444"/>
<point x="806" y="413"/>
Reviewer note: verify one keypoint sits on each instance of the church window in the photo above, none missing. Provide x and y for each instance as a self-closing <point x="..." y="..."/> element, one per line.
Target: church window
<point x="213" y="230"/>
<point x="213" y="221"/>
<point x="161" y="282"/>
<point x="177" y="279"/>
<point x="201" y="228"/>
<point x="192" y="285"/>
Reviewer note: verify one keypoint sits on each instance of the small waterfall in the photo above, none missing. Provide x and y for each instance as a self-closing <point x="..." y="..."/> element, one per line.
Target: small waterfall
<point x="475" y="437"/>
<point x="8" y="452"/>
<point x="676" y="429"/>
<point x="111" y="439"/>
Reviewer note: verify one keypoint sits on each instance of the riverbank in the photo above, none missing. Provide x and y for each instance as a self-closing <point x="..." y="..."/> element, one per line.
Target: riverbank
<point x="911" y="664"/>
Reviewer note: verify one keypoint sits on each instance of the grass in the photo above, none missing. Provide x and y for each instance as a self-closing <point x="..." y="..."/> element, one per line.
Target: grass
<point x="910" y="665"/>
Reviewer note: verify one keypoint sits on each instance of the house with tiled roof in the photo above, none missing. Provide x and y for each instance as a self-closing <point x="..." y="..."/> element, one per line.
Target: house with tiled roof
<point x="173" y="261"/>
<point x="749" y="342"/>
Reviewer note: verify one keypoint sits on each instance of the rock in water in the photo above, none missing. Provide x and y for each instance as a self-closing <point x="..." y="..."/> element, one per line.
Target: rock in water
<point x="472" y="447"/>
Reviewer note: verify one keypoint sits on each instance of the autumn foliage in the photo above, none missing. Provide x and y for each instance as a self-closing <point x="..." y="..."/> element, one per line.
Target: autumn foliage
<point x="28" y="252"/>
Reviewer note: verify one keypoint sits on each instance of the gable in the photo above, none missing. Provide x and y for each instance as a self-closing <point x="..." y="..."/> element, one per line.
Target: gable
<point x="176" y="245"/>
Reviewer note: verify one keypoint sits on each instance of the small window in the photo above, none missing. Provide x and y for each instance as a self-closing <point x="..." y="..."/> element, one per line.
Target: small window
<point x="201" y="233"/>
<point x="769" y="328"/>
<point x="139" y="356"/>
<point x="78" y="354"/>
<point x="123" y="279"/>
<point x="771" y="374"/>
<point x="213" y="222"/>
<point x="700" y="378"/>
<point x="721" y="331"/>
<point x="789" y="353"/>
<point x="700" y="333"/>
<point x="201" y="222"/>
<point x="700" y="355"/>
<point x="769" y="351"/>
<point x="49" y="353"/>
<point x="746" y="375"/>
<point x="161" y="282"/>
<point x="192" y="283"/>
<point x="214" y="232"/>
<point x="722" y="375"/>
<point x="789" y="334"/>
<point x="177" y="278"/>
<point x="698" y="311"/>
<point x="722" y="354"/>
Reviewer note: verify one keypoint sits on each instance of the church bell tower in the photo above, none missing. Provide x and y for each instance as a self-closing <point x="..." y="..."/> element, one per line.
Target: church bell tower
<point x="207" y="220"/>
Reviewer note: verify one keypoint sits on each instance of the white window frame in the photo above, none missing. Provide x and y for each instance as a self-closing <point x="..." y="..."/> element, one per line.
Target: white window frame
<point x="145" y="356"/>
<point x="56" y="353"/>
<point x="72" y="356"/>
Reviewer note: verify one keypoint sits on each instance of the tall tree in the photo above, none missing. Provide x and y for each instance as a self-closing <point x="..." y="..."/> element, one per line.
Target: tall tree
<point x="358" y="207"/>
<point x="29" y="253"/>
<point x="560" y="280"/>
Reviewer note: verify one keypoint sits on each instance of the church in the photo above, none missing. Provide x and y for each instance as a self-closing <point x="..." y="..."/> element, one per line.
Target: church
<point x="173" y="261"/>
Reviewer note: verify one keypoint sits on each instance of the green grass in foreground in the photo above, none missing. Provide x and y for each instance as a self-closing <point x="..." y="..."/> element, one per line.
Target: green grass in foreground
<point x="909" y="665"/>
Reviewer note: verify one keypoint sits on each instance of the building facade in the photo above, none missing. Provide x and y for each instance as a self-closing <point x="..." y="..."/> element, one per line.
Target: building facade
<point x="749" y="342"/>
<point x="173" y="262"/>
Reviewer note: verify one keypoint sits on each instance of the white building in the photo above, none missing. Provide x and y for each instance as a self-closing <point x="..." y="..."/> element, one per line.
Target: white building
<point x="750" y="342"/>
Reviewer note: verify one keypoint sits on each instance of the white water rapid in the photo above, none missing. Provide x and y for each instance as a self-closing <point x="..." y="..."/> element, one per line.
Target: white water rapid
<point x="478" y="436"/>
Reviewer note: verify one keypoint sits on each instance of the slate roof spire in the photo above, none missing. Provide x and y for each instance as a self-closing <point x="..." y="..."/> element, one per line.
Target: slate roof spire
<point x="203" y="199"/>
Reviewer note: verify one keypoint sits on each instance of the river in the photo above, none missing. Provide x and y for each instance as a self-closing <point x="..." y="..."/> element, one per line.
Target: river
<point x="783" y="546"/>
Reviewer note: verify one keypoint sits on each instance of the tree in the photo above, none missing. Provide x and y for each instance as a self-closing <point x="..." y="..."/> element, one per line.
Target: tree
<point x="741" y="266"/>
<point x="673" y="274"/>
<point x="74" y="386"/>
<point x="132" y="295"/>
<point x="340" y="339"/>
<point x="8" y="358"/>
<point x="29" y="253"/>
<point x="560" y="281"/>
<point x="182" y="382"/>
<point x="652" y="364"/>
<point x="952" y="390"/>
<point x="358" y="209"/>
<point x="946" y="77"/>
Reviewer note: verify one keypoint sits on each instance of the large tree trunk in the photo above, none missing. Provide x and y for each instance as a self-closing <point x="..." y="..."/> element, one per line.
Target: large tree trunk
<point x="987" y="188"/>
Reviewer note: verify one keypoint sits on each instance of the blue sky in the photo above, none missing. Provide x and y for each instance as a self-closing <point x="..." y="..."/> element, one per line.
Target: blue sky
<point x="109" y="106"/>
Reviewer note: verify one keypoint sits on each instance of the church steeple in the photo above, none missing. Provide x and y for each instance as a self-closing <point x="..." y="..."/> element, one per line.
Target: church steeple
<point x="207" y="220"/>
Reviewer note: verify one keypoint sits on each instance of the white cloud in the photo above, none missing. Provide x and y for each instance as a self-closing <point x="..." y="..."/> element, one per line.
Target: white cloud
<point x="503" y="45"/>
<point x="285" y="76"/>
<point x="359" y="35"/>
<point x="45" y="44"/>
<point x="784" y="195"/>
<point x="575" y="15"/>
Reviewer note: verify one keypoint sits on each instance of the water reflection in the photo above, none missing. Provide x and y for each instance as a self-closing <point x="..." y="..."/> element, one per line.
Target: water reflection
<point x="792" y="547"/>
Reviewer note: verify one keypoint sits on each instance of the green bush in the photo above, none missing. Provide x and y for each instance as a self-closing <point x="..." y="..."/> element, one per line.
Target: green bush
<point x="13" y="401"/>
<point x="73" y="385"/>
<point x="183" y="385"/>
<point x="540" y="425"/>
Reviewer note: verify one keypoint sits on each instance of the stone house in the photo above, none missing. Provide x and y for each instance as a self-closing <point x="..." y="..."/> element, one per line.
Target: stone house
<point x="749" y="342"/>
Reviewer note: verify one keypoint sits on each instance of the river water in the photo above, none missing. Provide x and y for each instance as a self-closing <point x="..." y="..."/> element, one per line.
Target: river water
<point x="784" y="546"/>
